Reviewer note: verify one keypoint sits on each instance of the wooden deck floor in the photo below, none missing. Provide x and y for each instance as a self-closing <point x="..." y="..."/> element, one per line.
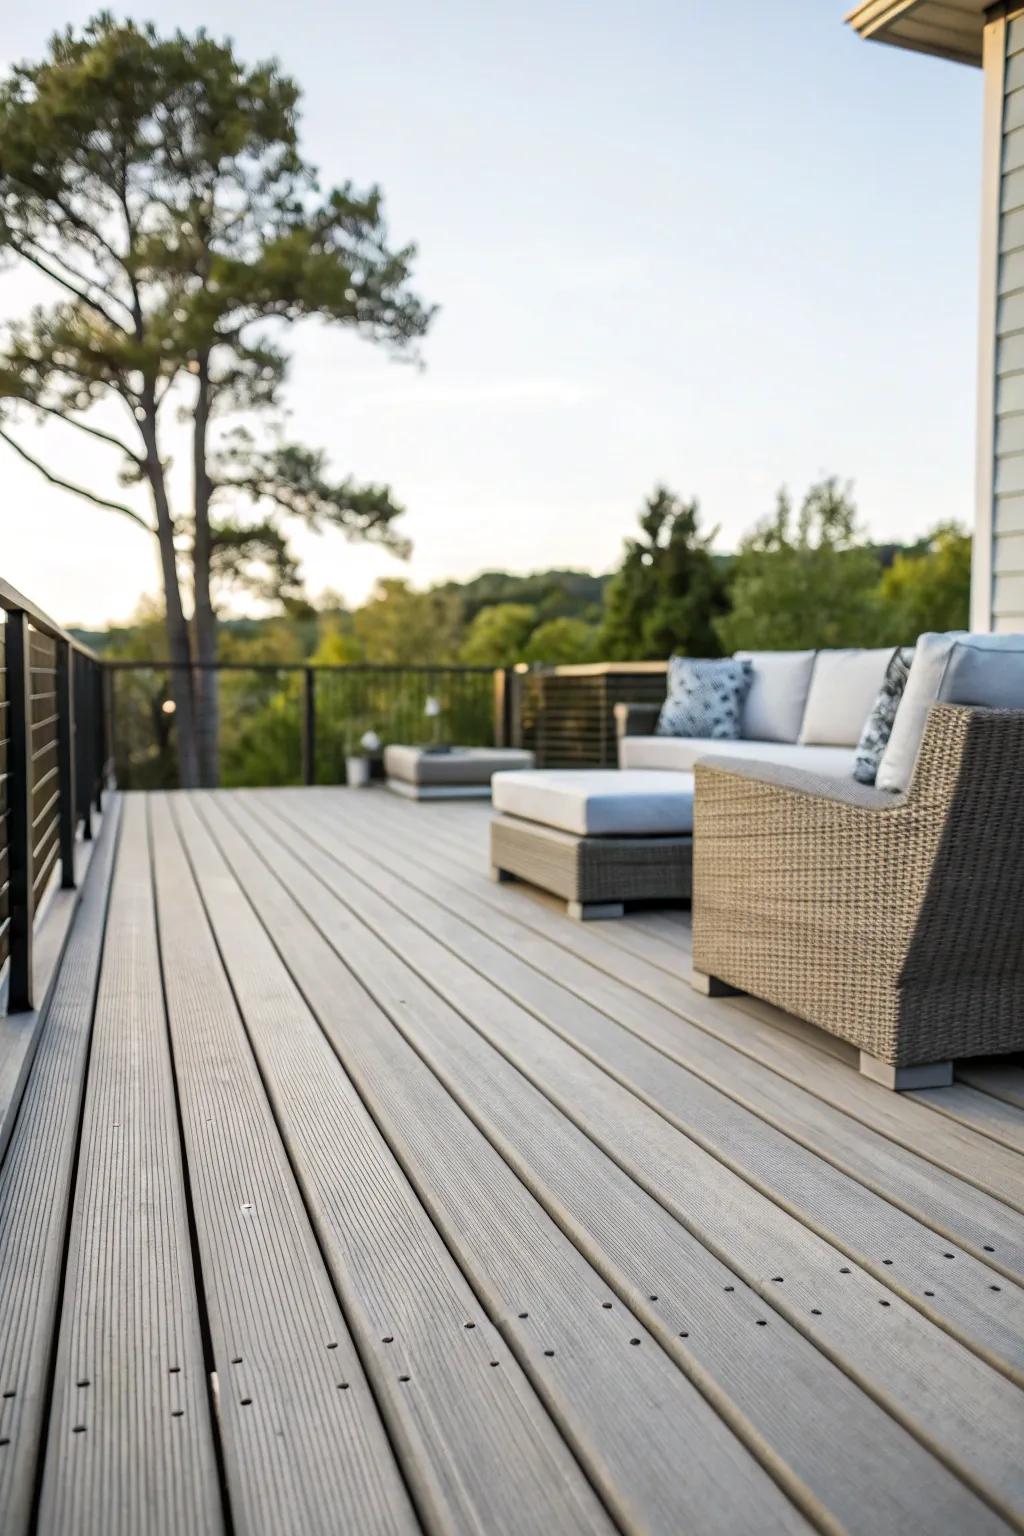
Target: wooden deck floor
<point x="352" y="1193"/>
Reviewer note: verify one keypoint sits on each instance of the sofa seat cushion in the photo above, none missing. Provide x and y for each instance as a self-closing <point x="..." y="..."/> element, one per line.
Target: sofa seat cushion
<point x="844" y="688"/>
<point x="680" y="753"/>
<point x="774" y="708"/>
<point x="599" y="802"/>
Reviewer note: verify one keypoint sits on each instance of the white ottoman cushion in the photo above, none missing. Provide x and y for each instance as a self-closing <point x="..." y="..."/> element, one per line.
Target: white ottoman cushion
<point x="599" y="802"/>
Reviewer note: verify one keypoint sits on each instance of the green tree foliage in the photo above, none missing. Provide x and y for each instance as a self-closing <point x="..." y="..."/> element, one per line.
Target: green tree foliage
<point x="498" y="635"/>
<point x="562" y="642"/>
<point x="668" y="590"/>
<point x="802" y="580"/>
<point x="402" y="626"/>
<point x="927" y="588"/>
<point x="157" y="183"/>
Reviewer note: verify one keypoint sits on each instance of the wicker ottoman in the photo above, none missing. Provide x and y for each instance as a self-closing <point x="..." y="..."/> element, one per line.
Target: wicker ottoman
<point x="458" y="773"/>
<point x="599" y="839"/>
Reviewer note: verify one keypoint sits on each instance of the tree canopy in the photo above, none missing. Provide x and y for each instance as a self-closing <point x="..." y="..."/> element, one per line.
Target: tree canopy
<point x="668" y="590"/>
<point x="803" y="579"/>
<point x="158" y="185"/>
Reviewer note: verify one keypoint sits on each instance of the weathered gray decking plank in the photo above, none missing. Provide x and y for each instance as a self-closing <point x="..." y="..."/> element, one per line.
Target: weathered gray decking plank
<point x="130" y="1444"/>
<point x="853" y="1215"/>
<point x="1001" y="1080"/>
<point x="479" y="1452"/>
<point x="896" y="1353"/>
<point x="831" y="1127"/>
<point x="660" y="1455"/>
<point x="302" y="1453"/>
<point x="845" y="1460"/>
<point x="35" y="1191"/>
<point x="990" y="1116"/>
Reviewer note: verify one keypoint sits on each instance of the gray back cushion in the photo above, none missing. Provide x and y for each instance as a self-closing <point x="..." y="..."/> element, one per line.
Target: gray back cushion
<point x="774" y="709"/>
<point x="989" y="667"/>
<point x="982" y="674"/>
<point x="844" y="687"/>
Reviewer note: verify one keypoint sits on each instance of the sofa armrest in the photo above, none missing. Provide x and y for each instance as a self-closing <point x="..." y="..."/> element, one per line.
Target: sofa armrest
<point x="873" y="915"/>
<point x="804" y="781"/>
<point x="636" y="719"/>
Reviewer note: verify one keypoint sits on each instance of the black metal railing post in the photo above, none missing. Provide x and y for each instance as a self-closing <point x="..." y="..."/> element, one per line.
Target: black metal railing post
<point x="100" y="768"/>
<point x="19" y="816"/>
<point x="83" y="747"/>
<point x="309" y="726"/>
<point x="66" y="761"/>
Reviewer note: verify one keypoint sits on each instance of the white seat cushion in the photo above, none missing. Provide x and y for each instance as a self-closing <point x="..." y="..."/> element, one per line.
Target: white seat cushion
<point x="978" y="656"/>
<point x="600" y="801"/>
<point x="774" y="709"/>
<point x="681" y="752"/>
<point x="844" y="688"/>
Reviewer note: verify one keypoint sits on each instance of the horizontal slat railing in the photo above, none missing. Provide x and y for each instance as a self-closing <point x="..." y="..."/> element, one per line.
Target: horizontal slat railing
<point x="52" y="767"/>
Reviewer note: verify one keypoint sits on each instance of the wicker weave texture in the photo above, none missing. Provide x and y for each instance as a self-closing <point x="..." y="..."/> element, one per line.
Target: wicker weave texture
<point x="898" y="929"/>
<point x="592" y="869"/>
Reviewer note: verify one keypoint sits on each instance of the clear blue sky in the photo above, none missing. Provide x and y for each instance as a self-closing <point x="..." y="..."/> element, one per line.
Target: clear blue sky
<point x="724" y="246"/>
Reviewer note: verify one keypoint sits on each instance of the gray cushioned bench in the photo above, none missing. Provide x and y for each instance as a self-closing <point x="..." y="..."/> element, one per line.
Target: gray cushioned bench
<point x="597" y="838"/>
<point x="456" y="774"/>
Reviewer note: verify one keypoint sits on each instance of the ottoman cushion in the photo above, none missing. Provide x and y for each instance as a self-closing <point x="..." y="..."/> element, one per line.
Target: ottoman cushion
<point x="465" y="765"/>
<point x="599" y="802"/>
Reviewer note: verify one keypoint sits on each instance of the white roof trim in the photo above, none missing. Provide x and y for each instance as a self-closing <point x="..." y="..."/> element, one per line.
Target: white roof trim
<point x="952" y="29"/>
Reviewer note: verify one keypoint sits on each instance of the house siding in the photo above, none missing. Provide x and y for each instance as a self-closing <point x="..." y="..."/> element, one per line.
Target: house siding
<point x="999" y="595"/>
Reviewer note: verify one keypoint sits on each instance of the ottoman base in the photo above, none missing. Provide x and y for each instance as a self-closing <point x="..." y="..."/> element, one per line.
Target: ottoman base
<point x="439" y="791"/>
<point x="595" y="875"/>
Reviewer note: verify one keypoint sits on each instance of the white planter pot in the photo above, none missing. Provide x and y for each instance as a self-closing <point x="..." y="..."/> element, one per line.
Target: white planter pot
<point x="357" y="772"/>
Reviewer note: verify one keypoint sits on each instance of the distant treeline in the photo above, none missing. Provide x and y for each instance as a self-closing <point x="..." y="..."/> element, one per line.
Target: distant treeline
<point x="803" y="577"/>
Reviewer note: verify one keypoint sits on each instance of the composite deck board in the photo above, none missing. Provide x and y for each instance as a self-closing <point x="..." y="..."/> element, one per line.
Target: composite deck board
<point x="883" y="1341"/>
<point x="920" y="1191"/>
<point x="607" y="979"/>
<point x="479" y="1451"/>
<point x="300" y="1455"/>
<point x="660" y="1455"/>
<point x="130" y="1445"/>
<point x="312" y="1094"/>
<point x="35" y="1191"/>
<point x="840" y="1455"/>
<point x="1003" y="1081"/>
<point x="991" y="1116"/>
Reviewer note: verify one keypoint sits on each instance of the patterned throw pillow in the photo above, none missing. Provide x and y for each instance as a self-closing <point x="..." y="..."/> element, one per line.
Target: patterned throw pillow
<point x="705" y="698"/>
<point x="874" y="738"/>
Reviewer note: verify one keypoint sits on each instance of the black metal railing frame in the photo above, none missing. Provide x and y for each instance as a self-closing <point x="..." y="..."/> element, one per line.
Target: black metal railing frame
<point x="312" y="710"/>
<point x="76" y="754"/>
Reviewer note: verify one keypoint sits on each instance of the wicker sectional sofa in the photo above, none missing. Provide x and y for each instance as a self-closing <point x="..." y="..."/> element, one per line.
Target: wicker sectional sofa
<point x="889" y="916"/>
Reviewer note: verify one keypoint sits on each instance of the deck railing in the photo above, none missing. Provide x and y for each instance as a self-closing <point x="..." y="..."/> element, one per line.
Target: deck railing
<point x="54" y="758"/>
<point x="292" y="723"/>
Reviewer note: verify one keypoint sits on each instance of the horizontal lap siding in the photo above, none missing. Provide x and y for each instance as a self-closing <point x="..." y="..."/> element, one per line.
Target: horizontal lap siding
<point x="1008" y="479"/>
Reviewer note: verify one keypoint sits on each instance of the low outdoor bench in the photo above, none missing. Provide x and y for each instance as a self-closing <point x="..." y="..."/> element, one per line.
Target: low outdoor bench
<point x="456" y="773"/>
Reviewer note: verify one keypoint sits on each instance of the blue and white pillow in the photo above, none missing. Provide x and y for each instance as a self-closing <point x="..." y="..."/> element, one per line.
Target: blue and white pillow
<point x="705" y="698"/>
<point x="874" y="738"/>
